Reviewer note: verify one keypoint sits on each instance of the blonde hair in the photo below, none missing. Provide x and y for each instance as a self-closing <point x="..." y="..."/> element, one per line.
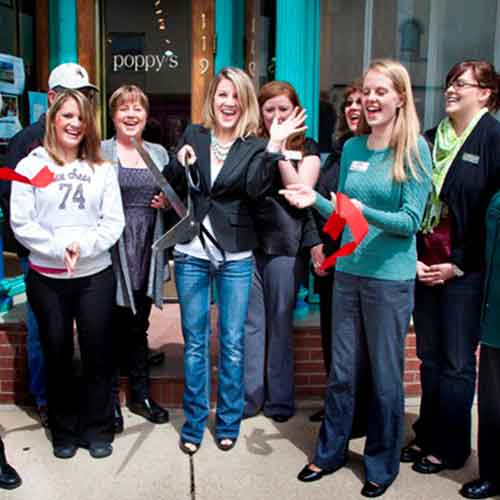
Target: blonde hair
<point x="249" y="118"/>
<point x="127" y="93"/>
<point x="404" y="140"/>
<point x="89" y="148"/>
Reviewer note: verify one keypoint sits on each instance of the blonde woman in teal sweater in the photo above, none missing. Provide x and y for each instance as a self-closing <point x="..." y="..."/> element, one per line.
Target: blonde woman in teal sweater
<point x="385" y="172"/>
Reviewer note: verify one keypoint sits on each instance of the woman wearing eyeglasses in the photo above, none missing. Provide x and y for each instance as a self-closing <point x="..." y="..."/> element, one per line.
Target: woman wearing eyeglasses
<point x="450" y="268"/>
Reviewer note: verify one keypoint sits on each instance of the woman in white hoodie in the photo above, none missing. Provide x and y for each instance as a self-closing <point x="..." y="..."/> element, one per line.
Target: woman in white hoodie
<point x="69" y="227"/>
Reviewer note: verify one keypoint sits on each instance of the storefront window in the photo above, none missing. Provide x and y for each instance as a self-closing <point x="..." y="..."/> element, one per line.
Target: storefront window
<point x="17" y="66"/>
<point x="427" y="36"/>
<point x="149" y="44"/>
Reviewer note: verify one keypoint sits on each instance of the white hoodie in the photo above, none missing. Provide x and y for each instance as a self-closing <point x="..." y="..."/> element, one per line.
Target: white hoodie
<point x="82" y="204"/>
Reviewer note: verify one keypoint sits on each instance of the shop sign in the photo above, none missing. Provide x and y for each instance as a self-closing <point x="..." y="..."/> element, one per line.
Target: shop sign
<point x="145" y="62"/>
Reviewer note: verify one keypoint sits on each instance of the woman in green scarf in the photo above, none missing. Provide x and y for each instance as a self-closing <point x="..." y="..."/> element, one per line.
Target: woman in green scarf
<point x="451" y="263"/>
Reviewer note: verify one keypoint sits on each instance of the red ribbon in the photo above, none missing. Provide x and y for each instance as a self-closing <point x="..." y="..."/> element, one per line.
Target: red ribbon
<point x="42" y="179"/>
<point x="346" y="213"/>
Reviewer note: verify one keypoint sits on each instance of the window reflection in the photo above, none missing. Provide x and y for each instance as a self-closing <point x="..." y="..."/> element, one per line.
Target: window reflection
<point x="149" y="45"/>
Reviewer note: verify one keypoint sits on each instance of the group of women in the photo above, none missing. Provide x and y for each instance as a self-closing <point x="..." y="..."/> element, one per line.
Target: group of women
<point x="249" y="172"/>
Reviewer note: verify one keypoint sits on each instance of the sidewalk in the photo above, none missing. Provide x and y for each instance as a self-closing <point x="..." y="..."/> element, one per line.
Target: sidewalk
<point x="148" y="465"/>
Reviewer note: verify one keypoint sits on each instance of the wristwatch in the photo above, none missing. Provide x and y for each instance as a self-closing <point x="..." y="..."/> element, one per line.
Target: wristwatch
<point x="457" y="271"/>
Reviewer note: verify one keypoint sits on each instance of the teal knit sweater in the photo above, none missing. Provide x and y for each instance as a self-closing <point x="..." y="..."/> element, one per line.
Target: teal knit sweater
<point x="393" y="210"/>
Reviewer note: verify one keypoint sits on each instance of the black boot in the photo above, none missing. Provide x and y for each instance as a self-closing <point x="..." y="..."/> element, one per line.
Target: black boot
<point x="9" y="478"/>
<point x="118" y="417"/>
<point x="150" y="410"/>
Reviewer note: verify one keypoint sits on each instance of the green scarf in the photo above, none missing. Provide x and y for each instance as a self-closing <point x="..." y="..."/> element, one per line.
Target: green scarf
<point x="446" y="146"/>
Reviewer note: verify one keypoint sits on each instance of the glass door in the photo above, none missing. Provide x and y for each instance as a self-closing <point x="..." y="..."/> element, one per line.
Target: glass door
<point x="166" y="48"/>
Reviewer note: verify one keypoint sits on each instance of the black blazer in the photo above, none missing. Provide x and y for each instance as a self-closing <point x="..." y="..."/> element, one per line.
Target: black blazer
<point x="247" y="174"/>
<point x="284" y="229"/>
<point x="471" y="182"/>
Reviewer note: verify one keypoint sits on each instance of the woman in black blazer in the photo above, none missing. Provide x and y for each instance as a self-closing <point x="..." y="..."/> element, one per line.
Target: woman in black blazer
<point x="233" y="169"/>
<point x="451" y="263"/>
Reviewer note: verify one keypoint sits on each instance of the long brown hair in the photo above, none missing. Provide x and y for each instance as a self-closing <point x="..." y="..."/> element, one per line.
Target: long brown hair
<point x="404" y="140"/>
<point x="249" y="119"/>
<point x="275" y="89"/>
<point x="89" y="148"/>
<point x="486" y="77"/>
<point x="343" y="127"/>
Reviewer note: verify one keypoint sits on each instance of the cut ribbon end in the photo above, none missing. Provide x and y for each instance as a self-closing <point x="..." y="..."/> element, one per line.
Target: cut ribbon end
<point x="42" y="179"/>
<point x="346" y="213"/>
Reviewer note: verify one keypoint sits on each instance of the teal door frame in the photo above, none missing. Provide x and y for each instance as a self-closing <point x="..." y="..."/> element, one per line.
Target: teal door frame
<point x="229" y="34"/>
<point x="63" y="32"/>
<point x="298" y="51"/>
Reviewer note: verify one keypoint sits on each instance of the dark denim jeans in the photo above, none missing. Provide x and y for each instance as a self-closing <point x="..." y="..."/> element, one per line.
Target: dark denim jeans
<point x="447" y="327"/>
<point x="370" y="321"/>
<point x="233" y="282"/>
<point x="36" y="361"/>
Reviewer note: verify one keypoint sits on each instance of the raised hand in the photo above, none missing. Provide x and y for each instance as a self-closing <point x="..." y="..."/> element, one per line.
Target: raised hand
<point x="294" y="124"/>
<point x="186" y="155"/>
<point x="299" y="195"/>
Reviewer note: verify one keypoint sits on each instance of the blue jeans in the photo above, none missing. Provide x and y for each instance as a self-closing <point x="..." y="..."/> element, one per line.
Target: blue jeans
<point x="36" y="360"/>
<point x="233" y="282"/>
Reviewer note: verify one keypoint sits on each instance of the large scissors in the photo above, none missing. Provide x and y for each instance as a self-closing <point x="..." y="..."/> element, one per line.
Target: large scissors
<point x="187" y="228"/>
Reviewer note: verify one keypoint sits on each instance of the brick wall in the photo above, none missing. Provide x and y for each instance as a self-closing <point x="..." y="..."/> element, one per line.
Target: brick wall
<point x="310" y="375"/>
<point x="13" y="364"/>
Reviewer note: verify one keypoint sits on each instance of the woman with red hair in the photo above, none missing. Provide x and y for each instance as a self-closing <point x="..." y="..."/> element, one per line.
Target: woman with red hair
<point x="285" y="236"/>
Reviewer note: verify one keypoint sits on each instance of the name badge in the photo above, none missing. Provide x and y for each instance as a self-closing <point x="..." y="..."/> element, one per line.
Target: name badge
<point x="359" y="166"/>
<point x="292" y="155"/>
<point x="470" y="158"/>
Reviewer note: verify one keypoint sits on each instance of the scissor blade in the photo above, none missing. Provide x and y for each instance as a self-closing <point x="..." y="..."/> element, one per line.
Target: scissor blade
<point x="172" y="197"/>
<point x="185" y="230"/>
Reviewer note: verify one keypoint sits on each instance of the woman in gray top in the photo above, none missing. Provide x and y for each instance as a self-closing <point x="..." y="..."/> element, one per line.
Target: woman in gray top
<point x="139" y="277"/>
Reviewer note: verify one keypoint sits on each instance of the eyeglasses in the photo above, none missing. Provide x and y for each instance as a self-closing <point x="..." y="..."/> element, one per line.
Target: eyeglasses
<point x="460" y="84"/>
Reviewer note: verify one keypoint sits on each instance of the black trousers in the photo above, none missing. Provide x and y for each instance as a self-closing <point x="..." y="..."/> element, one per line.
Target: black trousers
<point x="489" y="413"/>
<point x="131" y="337"/>
<point x="324" y="286"/>
<point x="76" y="412"/>
<point x="447" y="322"/>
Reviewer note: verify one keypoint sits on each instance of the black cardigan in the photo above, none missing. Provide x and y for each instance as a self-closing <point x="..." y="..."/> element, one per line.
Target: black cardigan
<point x="472" y="180"/>
<point x="247" y="174"/>
<point x="328" y="182"/>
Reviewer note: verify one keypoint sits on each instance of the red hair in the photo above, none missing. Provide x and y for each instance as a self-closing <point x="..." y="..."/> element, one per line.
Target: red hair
<point x="275" y="89"/>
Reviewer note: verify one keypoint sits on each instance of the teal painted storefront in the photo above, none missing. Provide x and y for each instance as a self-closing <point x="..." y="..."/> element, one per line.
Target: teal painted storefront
<point x="297" y="46"/>
<point x="63" y="43"/>
<point x="297" y="43"/>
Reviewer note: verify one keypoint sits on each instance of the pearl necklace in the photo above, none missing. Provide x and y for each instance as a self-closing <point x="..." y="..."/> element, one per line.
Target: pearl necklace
<point x="219" y="150"/>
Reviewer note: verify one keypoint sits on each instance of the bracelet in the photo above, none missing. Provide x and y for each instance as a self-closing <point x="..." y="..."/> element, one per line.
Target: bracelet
<point x="457" y="271"/>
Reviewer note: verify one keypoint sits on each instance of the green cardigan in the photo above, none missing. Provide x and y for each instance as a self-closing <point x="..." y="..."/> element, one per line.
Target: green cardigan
<point x="490" y="318"/>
